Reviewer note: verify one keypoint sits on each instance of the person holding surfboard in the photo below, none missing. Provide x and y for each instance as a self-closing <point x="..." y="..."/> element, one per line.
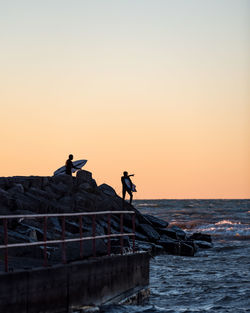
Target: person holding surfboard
<point x="127" y="186"/>
<point x="69" y="165"/>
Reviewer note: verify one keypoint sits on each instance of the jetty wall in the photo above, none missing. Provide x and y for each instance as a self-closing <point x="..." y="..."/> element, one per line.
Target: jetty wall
<point x="60" y="288"/>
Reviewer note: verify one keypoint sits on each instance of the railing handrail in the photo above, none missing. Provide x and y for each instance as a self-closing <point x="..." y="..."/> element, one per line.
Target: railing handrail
<point x="65" y="214"/>
<point x="63" y="240"/>
<point x="40" y="243"/>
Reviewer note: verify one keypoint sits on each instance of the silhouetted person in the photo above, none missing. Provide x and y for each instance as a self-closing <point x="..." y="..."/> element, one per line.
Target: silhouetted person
<point x="69" y="165"/>
<point x="126" y="186"/>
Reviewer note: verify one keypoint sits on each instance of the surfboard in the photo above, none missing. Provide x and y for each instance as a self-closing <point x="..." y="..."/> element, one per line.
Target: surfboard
<point x="133" y="187"/>
<point x="79" y="164"/>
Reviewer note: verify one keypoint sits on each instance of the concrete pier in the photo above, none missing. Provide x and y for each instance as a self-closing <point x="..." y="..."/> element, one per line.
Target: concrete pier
<point x="59" y="289"/>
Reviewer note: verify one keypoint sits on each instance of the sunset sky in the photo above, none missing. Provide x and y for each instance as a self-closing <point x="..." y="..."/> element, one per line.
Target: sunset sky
<point x="159" y="88"/>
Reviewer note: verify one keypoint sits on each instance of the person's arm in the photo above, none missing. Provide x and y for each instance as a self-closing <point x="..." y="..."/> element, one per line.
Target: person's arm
<point x="131" y="175"/>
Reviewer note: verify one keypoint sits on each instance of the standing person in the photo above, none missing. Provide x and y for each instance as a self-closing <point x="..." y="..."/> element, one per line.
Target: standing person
<point x="127" y="186"/>
<point x="69" y="165"/>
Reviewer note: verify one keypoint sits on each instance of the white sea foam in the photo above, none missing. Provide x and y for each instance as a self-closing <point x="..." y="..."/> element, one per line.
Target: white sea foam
<point x="226" y="228"/>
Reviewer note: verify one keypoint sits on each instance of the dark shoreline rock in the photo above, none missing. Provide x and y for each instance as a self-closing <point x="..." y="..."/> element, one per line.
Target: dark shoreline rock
<point x="65" y="194"/>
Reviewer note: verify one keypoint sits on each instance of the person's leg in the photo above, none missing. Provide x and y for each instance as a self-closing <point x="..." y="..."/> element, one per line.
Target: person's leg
<point x="131" y="196"/>
<point x="123" y="195"/>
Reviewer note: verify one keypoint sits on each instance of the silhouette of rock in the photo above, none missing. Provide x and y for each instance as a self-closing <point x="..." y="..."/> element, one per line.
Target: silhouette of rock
<point x="65" y="194"/>
<point x="201" y="237"/>
<point x="150" y="232"/>
<point x="179" y="232"/>
<point x="156" y="222"/>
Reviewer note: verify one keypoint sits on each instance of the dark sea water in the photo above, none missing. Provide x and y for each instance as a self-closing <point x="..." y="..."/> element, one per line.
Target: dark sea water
<point x="215" y="280"/>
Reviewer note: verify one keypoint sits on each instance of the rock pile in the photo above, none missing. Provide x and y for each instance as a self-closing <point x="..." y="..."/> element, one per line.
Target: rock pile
<point x="65" y="194"/>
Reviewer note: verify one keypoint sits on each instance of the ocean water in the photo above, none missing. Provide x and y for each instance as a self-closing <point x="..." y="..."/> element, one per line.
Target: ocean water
<point x="214" y="280"/>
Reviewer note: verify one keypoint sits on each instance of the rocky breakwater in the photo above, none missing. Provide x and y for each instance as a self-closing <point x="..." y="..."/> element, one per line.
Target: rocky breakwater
<point x="65" y="194"/>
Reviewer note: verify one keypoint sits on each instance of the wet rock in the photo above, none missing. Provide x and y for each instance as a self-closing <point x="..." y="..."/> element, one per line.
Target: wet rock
<point x="143" y="246"/>
<point x="201" y="237"/>
<point x="179" y="232"/>
<point x="203" y="244"/>
<point x="192" y="244"/>
<point x="186" y="250"/>
<point x="171" y="246"/>
<point x="156" y="222"/>
<point x="150" y="232"/>
<point x="141" y="237"/>
<point x="176" y="247"/>
<point x="168" y="232"/>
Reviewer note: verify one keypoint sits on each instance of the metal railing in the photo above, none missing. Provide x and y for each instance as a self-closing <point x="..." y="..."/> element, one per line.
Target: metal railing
<point x="63" y="240"/>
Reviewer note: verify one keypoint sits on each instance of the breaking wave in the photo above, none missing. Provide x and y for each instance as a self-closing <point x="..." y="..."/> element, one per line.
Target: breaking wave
<point x="225" y="229"/>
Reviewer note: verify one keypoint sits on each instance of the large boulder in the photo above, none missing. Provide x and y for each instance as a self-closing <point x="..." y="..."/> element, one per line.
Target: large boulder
<point x="27" y="181"/>
<point x="156" y="222"/>
<point x="186" y="250"/>
<point x="6" y="199"/>
<point x="46" y="194"/>
<point x="17" y="188"/>
<point x="83" y="203"/>
<point x="61" y="189"/>
<point x="176" y="247"/>
<point x="88" y="186"/>
<point x="150" y="247"/>
<point x="149" y="232"/>
<point x="203" y="244"/>
<point x="83" y="176"/>
<point x="168" y="232"/>
<point x="201" y="237"/>
<point x="179" y="232"/>
<point x="171" y="246"/>
<point x="63" y="178"/>
<point x="3" y="182"/>
<point x="107" y="190"/>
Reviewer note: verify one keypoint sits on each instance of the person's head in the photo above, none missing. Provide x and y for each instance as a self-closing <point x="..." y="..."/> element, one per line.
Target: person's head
<point x="125" y="173"/>
<point x="71" y="157"/>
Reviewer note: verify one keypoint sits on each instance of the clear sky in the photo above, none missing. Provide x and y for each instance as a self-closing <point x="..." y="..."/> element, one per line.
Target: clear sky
<point x="159" y="88"/>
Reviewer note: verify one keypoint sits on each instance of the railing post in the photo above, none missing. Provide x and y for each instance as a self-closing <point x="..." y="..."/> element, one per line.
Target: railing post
<point x="93" y="234"/>
<point x="5" y="222"/>
<point x="81" y="242"/>
<point x="133" y="226"/>
<point x="109" y="242"/>
<point x="63" y="243"/>
<point x="121" y="229"/>
<point x="45" y="241"/>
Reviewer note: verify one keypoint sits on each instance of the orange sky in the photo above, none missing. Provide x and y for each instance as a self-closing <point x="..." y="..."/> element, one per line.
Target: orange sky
<point x="160" y="90"/>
